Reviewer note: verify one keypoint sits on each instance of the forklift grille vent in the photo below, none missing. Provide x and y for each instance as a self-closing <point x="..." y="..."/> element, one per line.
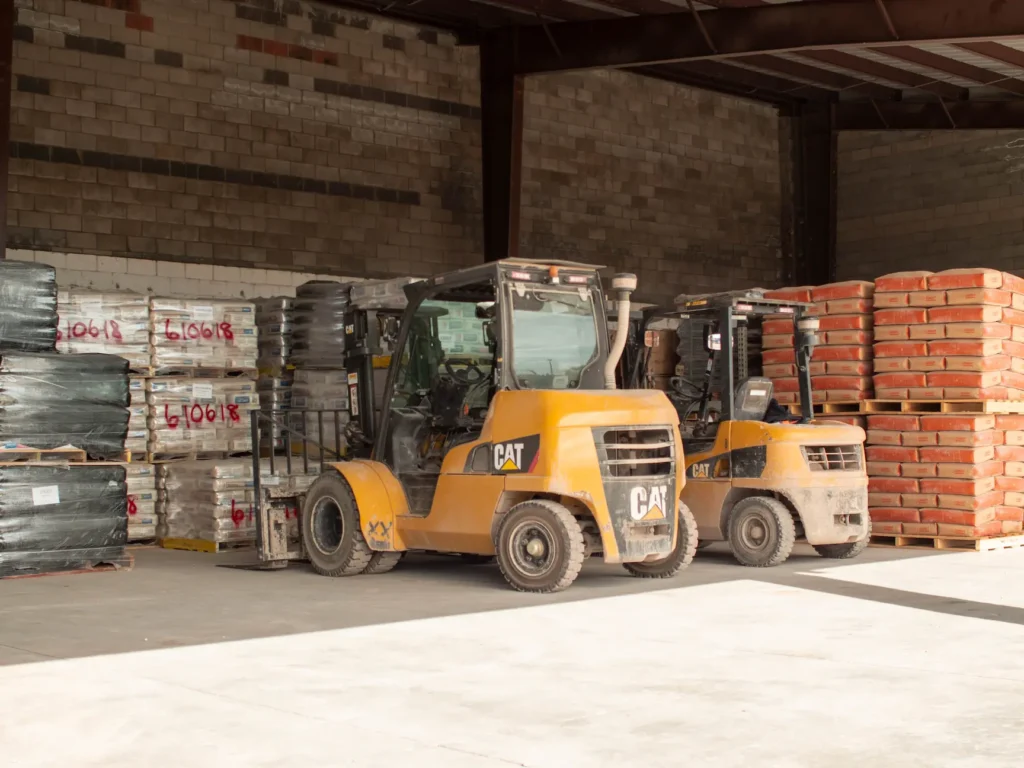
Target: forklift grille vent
<point x="635" y="452"/>
<point x="833" y="458"/>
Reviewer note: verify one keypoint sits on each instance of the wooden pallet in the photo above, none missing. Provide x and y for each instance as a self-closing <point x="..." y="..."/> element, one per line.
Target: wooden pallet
<point x="125" y="563"/>
<point x="23" y="454"/>
<point x="846" y="408"/>
<point x="944" y="406"/>
<point x="202" y="373"/>
<point x="169" y="457"/>
<point x="961" y="543"/>
<point x="202" y="545"/>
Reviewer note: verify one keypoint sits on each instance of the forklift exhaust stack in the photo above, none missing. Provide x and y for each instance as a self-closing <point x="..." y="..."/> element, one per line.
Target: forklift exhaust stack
<point x="623" y="285"/>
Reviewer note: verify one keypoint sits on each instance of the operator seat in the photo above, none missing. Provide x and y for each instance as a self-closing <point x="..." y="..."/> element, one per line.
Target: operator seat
<point x="753" y="397"/>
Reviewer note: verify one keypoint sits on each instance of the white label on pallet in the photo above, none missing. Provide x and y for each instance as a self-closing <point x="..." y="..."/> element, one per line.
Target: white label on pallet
<point x="45" y="495"/>
<point x="202" y="391"/>
<point x="202" y="312"/>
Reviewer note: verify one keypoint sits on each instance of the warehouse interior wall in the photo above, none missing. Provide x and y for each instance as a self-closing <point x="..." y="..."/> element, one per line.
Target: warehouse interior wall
<point x="929" y="200"/>
<point x="299" y="137"/>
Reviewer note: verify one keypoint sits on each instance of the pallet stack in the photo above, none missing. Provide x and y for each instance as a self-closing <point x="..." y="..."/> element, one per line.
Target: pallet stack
<point x="778" y="354"/>
<point x="954" y="475"/>
<point x="191" y="417"/>
<point x="140" y="480"/>
<point x="954" y="335"/>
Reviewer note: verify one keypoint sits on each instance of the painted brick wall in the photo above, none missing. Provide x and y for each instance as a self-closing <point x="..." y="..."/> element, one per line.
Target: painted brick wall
<point x="285" y="135"/>
<point x="930" y="200"/>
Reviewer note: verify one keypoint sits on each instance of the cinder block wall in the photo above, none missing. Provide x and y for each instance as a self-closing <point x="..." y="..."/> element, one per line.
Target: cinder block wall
<point x="930" y="200"/>
<point x="286" y="135"/>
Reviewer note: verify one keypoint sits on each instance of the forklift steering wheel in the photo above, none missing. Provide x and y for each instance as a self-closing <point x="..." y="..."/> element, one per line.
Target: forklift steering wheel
<point x="463" y="376"/>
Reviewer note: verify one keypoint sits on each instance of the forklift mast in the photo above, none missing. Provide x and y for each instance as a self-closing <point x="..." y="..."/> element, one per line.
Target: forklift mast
<point x="370" y="336"/>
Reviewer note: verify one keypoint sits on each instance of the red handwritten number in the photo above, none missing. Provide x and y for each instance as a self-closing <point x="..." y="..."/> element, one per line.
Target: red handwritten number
<point x="233" y="412"/>
<point x="170" y="418"/>
<point x="115" y="331"/>
<point x="225" y="328"/>
<point x="237" y="514"/>
<point x="133" y="508"/>
<point x="172" y="335"/>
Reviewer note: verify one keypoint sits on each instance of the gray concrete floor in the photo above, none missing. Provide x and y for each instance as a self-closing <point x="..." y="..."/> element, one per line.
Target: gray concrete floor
<point x="174" y="599"/>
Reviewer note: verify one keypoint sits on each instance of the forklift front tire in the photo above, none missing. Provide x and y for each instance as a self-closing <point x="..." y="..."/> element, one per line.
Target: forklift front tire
<point x="762" y="532"/>
<point x="540" y="547"/>
<point x="680" y="557"/>
<point x="382" y="562"/>
<point x="844" y="551"/>
<point x="331" y="534"/>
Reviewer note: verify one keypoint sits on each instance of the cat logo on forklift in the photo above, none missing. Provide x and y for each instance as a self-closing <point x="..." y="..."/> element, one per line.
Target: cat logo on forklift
<point x="645" y="503"/>
<point x="515" y="455"/>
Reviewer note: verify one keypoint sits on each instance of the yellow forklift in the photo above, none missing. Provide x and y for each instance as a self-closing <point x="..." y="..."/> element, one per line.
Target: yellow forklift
<point x="499" y="432"/>
<point x="756" y="475"/>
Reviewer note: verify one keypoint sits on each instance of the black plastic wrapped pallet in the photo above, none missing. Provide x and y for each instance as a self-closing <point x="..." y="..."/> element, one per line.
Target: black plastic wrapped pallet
<point x="50" y="400"/>
<point x="61" y="518"/>
<point x="28" y="307"/>
<point x="318" y="330"/>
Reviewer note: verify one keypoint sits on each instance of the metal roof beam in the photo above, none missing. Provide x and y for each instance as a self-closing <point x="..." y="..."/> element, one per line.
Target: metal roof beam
<point x="953" y="67"/>
<point x="643" y="40"/>
<point x="930" y="116"/>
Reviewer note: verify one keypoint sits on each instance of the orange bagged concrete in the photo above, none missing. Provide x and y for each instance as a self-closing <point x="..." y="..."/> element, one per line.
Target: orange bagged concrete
<point x="926" y="364"/>
<point x="949" y="422"/>
<point x="894" y="364"/>
<point x="1012" y="379"/>
<point x="901" y="316"/>
<point x="1015" y="484"/>
<point x="854" y="383"/>
<point x="885" y="528"/>
<point x="903" y="281"/>
<point x="995" y="528"/>
<point x="991" y="296"/>
<point x="1014" y="437"/>
<point x="892" y="332"/>
<point x="901" y="349"/>
<point x="906" y="379"/>
<point x="889" y="300"/>
<point x="828" y="354"/>
<point x="892" y="515"/>
<point x="993" y="363"/>
<point x="920" y="529"/>
<point x="957" y="516"/>
<point x="849" y="368"/>
<point x="975" y="487"/>
<point x="946" y="454"/>
<point x="787" y="385"/>
<point x="884" y="500"/>
<point x="817" y="369"/>
<point x="787" y="398"/>
<point x="1013" y="316"/>
<point x="846" y="338"/>
<point x="1016" y="333"/>
<point x="978" y="331"/>
<point x="883" y="469"/>
<point x="974" y="277"/>
<point x="926" y="298"/>
<point x="850" y="307"/>
<point x="969" y="471"/>
<point x="970" y="439"/>
<point x="891" y="453"/>
<point x="926" y="393"/>
<point x="918" y="470"/>
<point x="779" y="370"/>
<point x="1013" y="283"/>
<point x="847" y="395"/>
<point x="777" y="341"/>
<point x="964" y="315"/>
<point x="963" y="348"/>
<point x="980" y="380"/>
<point x="899" y="422"/>
<point x="975" y="393"/>
<point x="892" y="393"/>
<point x="892" y="485"/>
<point x="798" y="293"/>
<point x="884" y="437"/>
<point x="778" y="356"/>
<point x="777" y="327"/>
<point x="845" y="323"/>
<point x="969" y="503"/>
<point x="1008" y="513"/>
<point x="927" y="331"/>
<point x="853" y="421"/>
<point x="1008" y="452"/>
<point x="1013" y="498"/>
<point x="918" y="500"/>
<point x="1009" y="421"/>
<point x="1013" y="468"/>
<point x="920" y="438"/>
<point x="849" y="289"/>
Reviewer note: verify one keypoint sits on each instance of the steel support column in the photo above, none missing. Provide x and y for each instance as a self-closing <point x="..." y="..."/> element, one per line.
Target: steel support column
<point x="501" y="102"/>
<point x="814" y="195"/>
<point x="6" y="50"/>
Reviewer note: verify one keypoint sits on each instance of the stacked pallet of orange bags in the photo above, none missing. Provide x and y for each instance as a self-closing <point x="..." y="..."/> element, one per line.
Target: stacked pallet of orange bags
<point x="954" y="335"/>
<point x="945" y="474"/>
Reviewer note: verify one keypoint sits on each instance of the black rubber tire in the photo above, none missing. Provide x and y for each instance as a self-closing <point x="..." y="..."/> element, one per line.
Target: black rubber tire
<point x="779" y="526"/>
<point x="351" y="555"/>
<point x="680" y="557"/>
<point x="468" y="559"/>
<point x="382" y="562"/>
<point x="564" y="542"/>
<point x="844" y="551"/>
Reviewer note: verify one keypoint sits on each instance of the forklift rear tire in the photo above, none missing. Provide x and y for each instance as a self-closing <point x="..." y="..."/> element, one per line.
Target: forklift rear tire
<point x="761" y="531"/>
<point x="679" y="558"/>
<point x="844" y="551"/>
<point x="331" y="534"/>
<point x="540" y="547"/>
<point x="382" y="562"/>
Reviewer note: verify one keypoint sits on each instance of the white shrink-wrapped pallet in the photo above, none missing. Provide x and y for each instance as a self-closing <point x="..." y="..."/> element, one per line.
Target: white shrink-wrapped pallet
<point x="190" y="334"/>
<point x="214" y="500"/>
<point x="142" y="497"/>
<point x="324" y="395"/>
<point x="189" y="416"/>
<point x="111" y="323"/>
<point x="137" y="440"/>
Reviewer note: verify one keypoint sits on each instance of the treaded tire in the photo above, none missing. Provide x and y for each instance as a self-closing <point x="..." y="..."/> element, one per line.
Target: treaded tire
<point x="331" y="534"/>
<point x="382" y="562"/>
<point x="552" y="523"/>
<point x="779" y="530"/>
<point x="844" y="551"/>
<point x="680" y="557"/>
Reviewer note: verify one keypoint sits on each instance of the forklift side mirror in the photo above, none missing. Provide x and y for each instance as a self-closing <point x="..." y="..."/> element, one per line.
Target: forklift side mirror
<point x="712" y="341"/>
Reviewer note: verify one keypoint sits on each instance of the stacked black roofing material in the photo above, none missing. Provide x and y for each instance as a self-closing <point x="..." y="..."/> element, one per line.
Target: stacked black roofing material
<point x="28" y="307"/>
<point x="318" y="330"/>
<point x="61" y="518"/>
